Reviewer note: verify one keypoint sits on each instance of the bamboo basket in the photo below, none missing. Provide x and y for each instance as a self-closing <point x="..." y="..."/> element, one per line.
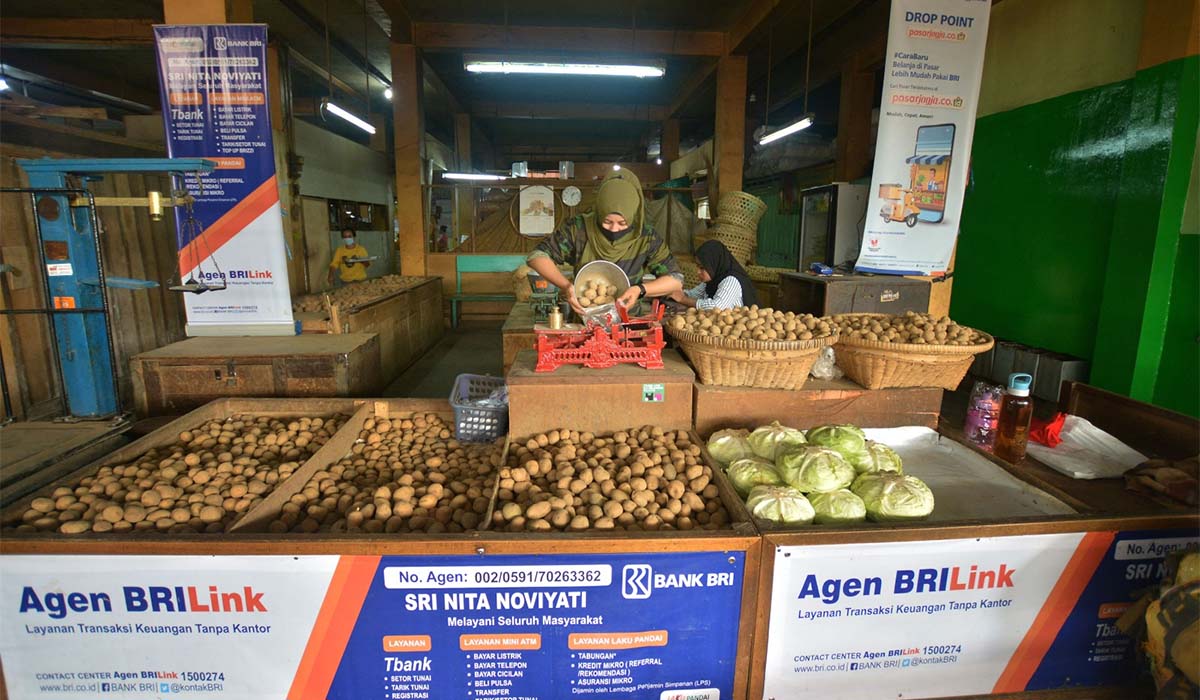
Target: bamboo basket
<point x="767" y="275"/>
<point x="876" y="365"/>
<point x="741" y="209"/>
<point x="740" y="241"/>
<point x="751" y="363"/>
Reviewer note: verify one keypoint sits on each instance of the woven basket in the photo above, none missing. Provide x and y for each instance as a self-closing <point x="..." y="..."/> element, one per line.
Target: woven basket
<point x="690" y="270"/>
<point x="876" y="365"/>
<point x="740" y="241"/>
<point x="752" y="363"/>
<point x="741" y="209"/>
<point x="768" y="275"/>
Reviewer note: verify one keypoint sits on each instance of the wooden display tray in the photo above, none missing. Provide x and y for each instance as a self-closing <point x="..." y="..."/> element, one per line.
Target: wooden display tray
<point x="820" y="402"/>
<point x="184" y="375"/>
<point x="409" y="322"/>
<point x="599" y="400"/>
<point x="517" y="333"/>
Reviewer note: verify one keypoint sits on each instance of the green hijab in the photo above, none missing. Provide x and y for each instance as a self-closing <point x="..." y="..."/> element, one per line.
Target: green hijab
<point x="620" y="193"/>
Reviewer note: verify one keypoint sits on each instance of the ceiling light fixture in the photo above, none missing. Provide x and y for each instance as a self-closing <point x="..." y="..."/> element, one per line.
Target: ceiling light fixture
<point x="333" y="108"/>
<point x="616" y="166"/>
<point x="387" y="92"/>
<point x="805" y="121"/>
<point x="658" y="161"/>
<point x="547" y="68"/>
<point x="472" y="176"/>
<point x="3" y="85"/>
<point x="788" y="130"/>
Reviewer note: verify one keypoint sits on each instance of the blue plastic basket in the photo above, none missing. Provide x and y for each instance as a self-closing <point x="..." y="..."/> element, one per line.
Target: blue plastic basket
<point x="474" y="423"/>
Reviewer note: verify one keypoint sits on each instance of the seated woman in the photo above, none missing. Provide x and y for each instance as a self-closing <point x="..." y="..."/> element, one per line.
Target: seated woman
<point x="724" y="283"/>
<point x="614" y="230"/>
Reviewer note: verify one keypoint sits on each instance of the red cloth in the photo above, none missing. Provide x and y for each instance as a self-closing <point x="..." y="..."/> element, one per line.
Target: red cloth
<point x="1046" y="432"/>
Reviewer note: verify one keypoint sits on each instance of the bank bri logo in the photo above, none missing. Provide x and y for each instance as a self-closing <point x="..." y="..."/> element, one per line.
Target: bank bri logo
<point x="636" y="581"/>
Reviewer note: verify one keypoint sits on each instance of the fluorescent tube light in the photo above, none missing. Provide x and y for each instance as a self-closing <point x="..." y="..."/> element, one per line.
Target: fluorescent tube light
<point x="387" y="92"/>
<point x="538" y="68"/>
<point x="786" y="131"/>
<point x="472" y="176"/>
<point x="332" y="108"/>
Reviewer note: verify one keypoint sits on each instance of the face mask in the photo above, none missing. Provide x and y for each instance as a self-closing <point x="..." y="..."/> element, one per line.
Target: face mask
<point x="614" y="235"/>
<point x="348" y="241"/>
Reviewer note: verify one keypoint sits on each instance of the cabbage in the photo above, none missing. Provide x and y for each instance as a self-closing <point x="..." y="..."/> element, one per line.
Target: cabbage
<point x="877" y="458"/>
<point x="752" y="471"/>
<point x="839" y="507"/>
<point x="728" y="446"/>
<point x="772" y="440"/>
<point x="893" y="497"/>
<point x="815" y="469"/>
<point x="849" y="440"/>
<point x="781" y="504"/>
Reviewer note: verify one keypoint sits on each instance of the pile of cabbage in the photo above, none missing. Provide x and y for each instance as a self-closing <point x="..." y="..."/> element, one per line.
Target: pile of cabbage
<point x="831" y="474"/>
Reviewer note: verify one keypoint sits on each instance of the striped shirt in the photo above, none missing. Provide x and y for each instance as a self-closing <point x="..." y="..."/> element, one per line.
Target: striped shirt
<point x="728" y="296"/>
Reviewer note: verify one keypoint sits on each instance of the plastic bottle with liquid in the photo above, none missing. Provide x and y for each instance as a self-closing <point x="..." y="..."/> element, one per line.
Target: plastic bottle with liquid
<point x="1016" y="410"/>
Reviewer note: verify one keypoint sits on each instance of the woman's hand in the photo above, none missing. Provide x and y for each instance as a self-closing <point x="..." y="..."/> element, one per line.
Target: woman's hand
<point x="677" y="295"/>
<point x="573" y="300"/>
<point x="629" y="297"/>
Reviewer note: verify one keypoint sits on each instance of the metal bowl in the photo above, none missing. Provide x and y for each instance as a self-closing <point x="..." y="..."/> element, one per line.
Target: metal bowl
<point x="604" y="271"/>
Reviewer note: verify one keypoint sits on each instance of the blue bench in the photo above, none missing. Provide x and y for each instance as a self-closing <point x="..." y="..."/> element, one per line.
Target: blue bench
<point x="480" y="263"/>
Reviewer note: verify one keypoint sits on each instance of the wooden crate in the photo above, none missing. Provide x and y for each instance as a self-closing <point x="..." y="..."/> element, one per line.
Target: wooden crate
<point x="599" y="400"/>
<point x="517" y="334"/>
<point x="825" y="296"/>
<point x="168" y="434"/>
<point x="408" y="322"/>
<point x="184" y="375"/>
<point x="820" y="402"/>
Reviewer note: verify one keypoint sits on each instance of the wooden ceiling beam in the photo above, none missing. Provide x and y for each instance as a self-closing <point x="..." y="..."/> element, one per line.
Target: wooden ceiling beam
<point x="318" y="71"/>
<point x="690" y="86"/>
<point x="393" y="18"/>
<point x="568" y="110"/>
<point x="75" y="33"/>
<point x="737" y="40"/>
<point x="487" y="37"/>
<point x="439" y="87"/>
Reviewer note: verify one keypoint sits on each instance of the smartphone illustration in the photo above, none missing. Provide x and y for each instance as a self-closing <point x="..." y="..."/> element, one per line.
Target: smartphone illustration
<point x="929" y="171"/>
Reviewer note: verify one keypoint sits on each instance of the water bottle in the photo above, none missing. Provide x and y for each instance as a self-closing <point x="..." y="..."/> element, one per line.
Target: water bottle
<point x="983" y="414"/>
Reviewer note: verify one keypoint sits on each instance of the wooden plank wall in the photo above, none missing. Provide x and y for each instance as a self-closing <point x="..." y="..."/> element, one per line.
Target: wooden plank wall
<point x="133" y="246"/>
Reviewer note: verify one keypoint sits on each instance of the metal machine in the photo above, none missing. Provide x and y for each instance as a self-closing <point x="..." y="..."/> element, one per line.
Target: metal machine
<point x="68" y="238"/>
<point x="544" y="298"/>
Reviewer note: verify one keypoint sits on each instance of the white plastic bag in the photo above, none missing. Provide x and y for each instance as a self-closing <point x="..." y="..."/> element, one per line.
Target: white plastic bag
<point x="824" y="367"/>
<point x="1087" y="452"/>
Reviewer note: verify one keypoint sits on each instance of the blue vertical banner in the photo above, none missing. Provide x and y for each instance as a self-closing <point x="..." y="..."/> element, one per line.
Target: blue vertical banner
<point x="213" y="84"/>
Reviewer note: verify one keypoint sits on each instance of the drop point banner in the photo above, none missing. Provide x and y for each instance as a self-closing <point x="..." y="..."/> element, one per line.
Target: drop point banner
<point x="213" y="84"/>
<point x="932" y="74"/>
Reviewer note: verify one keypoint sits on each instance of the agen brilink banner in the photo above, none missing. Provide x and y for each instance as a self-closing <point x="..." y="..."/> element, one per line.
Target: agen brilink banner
<point x="213" y="83"/>
<point x="655" y="626"/>
<point x="927" y="118"/>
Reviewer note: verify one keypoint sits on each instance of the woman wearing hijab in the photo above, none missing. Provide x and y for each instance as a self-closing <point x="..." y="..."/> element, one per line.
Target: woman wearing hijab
<point x="724" y="283"/>
<point x="614" y="230"/>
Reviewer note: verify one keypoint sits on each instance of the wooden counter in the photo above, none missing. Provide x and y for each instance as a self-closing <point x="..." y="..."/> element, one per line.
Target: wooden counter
<point x="820" y="402"/>
<point x="598" y="399"/>
<point x="181" y="376"/>
<point x="517" y="333"/>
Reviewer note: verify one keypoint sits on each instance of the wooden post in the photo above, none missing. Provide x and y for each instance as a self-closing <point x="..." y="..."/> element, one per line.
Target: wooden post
<point x="409" y="132"/>
<point x="729" y="142"/>
<point x="854" y="121"/>
<point x="207" y="11"/>
<point x="670" y="141"/>
<point x="464" y="197"/>
<point x="378" y="140"/>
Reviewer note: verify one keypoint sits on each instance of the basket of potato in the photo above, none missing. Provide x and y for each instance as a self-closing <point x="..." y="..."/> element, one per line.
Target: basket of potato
<point x="880" y="351"/>
<point x="753" y="347"/>
<point x="642" y="479"/>
<point x="358" y="293"/>
<point x="212" y="476"/>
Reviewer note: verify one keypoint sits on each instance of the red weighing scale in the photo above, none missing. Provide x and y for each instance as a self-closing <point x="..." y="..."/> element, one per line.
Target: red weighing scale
<point x="598" y="344"/>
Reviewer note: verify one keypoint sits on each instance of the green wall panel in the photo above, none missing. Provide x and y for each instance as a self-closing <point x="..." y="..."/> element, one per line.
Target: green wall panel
<point x="778" y="233"/>
<point x="1037" y="219"/>
<point x="1178" y="385"/>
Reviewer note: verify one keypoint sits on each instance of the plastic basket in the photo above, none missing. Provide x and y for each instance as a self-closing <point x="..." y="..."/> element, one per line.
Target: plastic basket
<point x="474" y="423"/>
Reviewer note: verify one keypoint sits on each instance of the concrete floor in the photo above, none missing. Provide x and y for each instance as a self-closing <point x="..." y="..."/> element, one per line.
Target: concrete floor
<point x="472" y="348"/>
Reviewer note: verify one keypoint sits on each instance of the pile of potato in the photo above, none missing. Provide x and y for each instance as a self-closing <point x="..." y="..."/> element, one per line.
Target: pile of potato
<point x="912" y="327"/>
<point x="202" y="483"/>
<point x="753" y="323"/>
<point x="404" y="474"/>
<point x="357" y="293"/>
<point x="641" y="479"/>
<point x="595" y="292"/>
